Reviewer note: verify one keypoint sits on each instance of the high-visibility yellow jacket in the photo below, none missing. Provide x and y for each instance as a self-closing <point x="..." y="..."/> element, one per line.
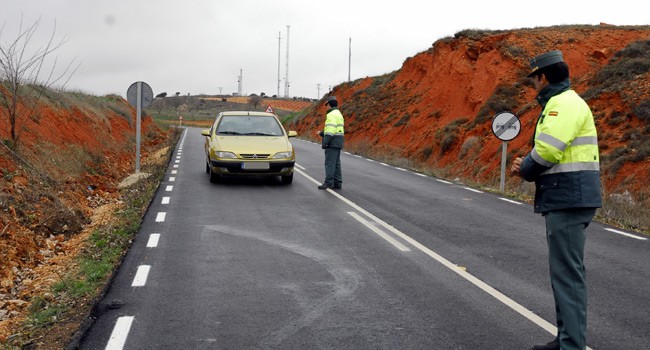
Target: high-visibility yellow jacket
<point x="564" y="162"/>
<point x="333" y="133"/>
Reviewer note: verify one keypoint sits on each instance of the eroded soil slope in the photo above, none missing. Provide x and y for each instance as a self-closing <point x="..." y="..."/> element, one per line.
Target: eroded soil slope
<point x="61" y="179"/>
<point x="435" y="112"/>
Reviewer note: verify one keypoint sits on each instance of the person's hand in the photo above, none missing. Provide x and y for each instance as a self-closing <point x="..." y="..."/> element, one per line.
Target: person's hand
<point x="516" y="165"/>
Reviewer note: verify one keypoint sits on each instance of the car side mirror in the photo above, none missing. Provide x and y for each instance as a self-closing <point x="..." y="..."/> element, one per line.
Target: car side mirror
<point x="205" y="132"/>
<point x="292" y="133"/>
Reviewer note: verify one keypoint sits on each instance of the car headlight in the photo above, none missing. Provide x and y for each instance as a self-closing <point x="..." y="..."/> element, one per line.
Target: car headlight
<point x="283" y="154"/>
<point x="222" y="154"/>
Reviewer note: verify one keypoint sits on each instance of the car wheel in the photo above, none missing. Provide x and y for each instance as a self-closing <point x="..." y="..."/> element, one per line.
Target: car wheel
<point x="287" y="179"/>
<point x="214" y="178"/>
<point x="207" y="167"/>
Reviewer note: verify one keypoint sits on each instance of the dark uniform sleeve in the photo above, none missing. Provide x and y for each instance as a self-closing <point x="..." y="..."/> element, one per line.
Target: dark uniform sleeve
<point x="530" y="169"/>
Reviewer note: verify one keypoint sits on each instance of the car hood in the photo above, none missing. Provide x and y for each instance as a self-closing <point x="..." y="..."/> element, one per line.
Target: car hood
<point x="253" y="144"/>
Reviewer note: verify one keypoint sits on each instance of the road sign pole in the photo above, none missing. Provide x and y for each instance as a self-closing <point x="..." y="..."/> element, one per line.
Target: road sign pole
<point x="504" y="152"/>
<point x="139" y="96"/>
<point x="137" y="128"/>
<point x="505" y="126"/>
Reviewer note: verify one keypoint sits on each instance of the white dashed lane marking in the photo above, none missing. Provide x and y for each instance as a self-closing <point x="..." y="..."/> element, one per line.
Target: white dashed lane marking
<point x="141" y="275"/>
<point x="120" y="332"/>
<point x="153" y="240"/>
<point x="509" y="200"/>
<point x="626" y="234"/>
<point x="473" y="190"/>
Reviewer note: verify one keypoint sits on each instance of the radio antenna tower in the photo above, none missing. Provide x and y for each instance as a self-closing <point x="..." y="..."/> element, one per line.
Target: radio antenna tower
<point x="349" y="57"/>
<point x="286" y="78"/>
<point x="241" y="77"/>
<point x="279" y="40"/>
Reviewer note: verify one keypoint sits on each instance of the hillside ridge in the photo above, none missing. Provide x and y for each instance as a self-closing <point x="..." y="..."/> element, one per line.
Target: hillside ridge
<point x="435" y="112"/>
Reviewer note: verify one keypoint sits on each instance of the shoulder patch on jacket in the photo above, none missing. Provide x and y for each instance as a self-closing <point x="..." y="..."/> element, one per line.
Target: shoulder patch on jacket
<point x="553" y="114"/>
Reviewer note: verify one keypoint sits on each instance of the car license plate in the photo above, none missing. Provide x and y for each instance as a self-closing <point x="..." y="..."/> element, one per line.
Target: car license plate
<point x="255" y="165"/>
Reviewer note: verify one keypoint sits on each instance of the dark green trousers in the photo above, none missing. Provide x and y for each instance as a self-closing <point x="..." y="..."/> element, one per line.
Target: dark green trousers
<point x="333" y="166"/>
<point x="565" y="234"/>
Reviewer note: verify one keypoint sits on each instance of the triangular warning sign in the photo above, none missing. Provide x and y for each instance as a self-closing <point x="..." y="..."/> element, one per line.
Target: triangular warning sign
<point x="269" y="109"/>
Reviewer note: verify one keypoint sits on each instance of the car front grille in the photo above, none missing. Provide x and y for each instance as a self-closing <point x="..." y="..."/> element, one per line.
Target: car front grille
<point x="254" y="156"/>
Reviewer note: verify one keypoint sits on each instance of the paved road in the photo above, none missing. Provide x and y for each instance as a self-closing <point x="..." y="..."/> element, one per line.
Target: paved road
<point x="394" y="260"/>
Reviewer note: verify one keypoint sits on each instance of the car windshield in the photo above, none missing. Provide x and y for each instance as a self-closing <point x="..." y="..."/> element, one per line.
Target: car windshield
<point x="249" y="125"/>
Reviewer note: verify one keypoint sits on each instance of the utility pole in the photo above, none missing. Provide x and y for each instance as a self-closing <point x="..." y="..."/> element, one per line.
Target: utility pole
<point x="279" y="40"/>
<point x="349" y="57"/>
<point x="220" y="88"/>
<point x="286" y="79"/>
<point x="318" y="93"/>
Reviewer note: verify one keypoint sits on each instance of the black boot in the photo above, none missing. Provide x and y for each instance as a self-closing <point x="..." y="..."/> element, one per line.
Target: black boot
<point x="325" y="186"/>
<point x="553" y="345"/>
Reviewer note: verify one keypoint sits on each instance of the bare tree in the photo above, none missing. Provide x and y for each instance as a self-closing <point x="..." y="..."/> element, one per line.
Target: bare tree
<point x="22" y="80"/>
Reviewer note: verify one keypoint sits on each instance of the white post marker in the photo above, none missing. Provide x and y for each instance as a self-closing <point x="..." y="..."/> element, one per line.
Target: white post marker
<point x="505" y="126"/>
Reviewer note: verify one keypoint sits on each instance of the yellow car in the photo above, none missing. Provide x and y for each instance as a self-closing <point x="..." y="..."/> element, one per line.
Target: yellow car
<point x="248" y="143"/>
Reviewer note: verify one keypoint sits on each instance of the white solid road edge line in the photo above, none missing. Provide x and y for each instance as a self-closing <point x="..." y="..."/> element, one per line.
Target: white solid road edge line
<point x="120" y="332"/>
<point x="453" y="267"/>
<point x="141" y="275"/>
<point x="381" y="233"/>
<point x="626" y="234"/>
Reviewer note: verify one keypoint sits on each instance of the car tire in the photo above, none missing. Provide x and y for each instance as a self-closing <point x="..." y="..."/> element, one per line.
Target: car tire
<point x="287" y="179"/>
<point x="214" y="178"/>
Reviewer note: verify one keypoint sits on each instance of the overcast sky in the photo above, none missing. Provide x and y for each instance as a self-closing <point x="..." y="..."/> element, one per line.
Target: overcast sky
<point x="199" y="46"/>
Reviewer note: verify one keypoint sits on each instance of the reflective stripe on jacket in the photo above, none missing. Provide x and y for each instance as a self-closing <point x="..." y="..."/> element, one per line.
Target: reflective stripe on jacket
<point x="564" y="162"/>
<point x="333" y="134"/>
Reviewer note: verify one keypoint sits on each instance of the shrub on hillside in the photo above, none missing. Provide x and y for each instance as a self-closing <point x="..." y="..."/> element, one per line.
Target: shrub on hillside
<point x="504" y="98"/>
<point x="642" y="111"/>
<point x="448" y="135"/>
<point x="627" y="64"/>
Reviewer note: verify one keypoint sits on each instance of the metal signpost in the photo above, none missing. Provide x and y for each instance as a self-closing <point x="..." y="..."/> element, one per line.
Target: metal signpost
<point x="505" y="126"/>
<point x="139" y="96"/>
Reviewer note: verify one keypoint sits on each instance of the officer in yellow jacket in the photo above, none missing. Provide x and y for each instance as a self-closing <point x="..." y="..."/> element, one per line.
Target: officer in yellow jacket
<point x="332" y="143"/>
<point x="564" y="163"/>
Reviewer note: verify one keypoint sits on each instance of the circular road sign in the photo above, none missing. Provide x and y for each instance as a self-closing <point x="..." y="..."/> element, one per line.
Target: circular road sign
<point x="146" y="95"/>
<point x="506" y="126"/>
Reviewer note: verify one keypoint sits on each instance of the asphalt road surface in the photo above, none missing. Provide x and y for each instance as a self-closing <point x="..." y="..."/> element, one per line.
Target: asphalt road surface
<point x="394" y="260"/>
